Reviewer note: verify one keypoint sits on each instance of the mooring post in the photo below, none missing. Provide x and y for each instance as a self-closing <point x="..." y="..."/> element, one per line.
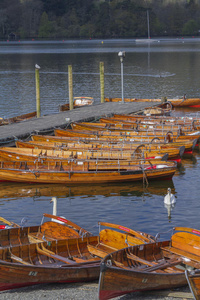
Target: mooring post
<point x="37" y="85"/>
<point x="102" y="81"/>
<point x="70" y="84"/>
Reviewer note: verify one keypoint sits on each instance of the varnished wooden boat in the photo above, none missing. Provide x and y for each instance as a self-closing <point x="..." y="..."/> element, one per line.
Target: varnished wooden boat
<point x="14" y="234"/>
<point x="144" y="124"/>
<point x="78" y="102"/>
<point x="50" y="142"/>
<point x="130" y="131"/>
<point x="185" y="102"/>
<point x="125" y="136"/>
<point x="181" y="102"/>
<point x="141" y="151"/>
<point x="153" y="266"/>
<point x="67" y="260"/>
<point x="193" y="279"/>
<point x="163" y="109"/>
<point x="186" y="120"/>
<point x="113" y="124"/>
<point x="18" y="118"/>
<point x="110" y="99"/>
<point x="86" y="171"/>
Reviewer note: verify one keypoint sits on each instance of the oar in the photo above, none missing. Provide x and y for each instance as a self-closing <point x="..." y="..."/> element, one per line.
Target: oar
<point x="126" y="229"/>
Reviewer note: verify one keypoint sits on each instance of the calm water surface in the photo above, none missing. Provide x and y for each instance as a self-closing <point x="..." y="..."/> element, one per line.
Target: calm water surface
<point x="164" y="68"/>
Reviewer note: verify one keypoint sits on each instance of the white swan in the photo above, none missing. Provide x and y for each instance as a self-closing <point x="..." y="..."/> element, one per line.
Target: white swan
<point x="54" y="200"/>
<point x="169" y="198"/>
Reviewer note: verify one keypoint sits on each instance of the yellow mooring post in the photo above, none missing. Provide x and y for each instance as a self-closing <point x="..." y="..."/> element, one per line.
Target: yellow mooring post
<point x="101" y="66"/>
<point x="37" y="85"/>
<point x="70" y="83"/>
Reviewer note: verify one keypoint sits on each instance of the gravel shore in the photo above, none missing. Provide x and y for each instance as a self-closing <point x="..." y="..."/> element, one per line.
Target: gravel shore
<point x="86" y="291"/>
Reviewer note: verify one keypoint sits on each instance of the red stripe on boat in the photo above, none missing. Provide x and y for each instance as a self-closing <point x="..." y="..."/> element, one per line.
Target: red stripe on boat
<point x="195" y="231"/>
<point x="188" y="152"/>
<point x="62" y="219"/>
<point x="124" y="228"/>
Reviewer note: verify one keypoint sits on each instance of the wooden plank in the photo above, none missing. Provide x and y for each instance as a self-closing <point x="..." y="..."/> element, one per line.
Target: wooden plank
<point x="19" y="260"/>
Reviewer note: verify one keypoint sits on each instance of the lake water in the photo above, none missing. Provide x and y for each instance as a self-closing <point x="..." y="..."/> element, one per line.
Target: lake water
<point x="163" y="68"/>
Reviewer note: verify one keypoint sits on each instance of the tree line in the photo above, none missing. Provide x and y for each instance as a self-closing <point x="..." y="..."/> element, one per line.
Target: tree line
<point x="97" y="19"/>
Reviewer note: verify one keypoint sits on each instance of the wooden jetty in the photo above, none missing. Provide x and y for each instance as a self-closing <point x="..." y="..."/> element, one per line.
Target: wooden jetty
<point x="46" y="124"/>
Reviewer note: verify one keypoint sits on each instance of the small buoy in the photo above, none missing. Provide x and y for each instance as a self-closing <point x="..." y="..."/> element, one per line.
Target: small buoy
<point x="102" y="42"/>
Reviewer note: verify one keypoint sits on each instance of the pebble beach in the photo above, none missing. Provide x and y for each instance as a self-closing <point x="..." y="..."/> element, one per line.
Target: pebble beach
<point x="86" y="291"/>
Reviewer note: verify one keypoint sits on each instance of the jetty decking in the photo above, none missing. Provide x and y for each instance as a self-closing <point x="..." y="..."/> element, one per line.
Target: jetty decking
<point x="47" y="123"/>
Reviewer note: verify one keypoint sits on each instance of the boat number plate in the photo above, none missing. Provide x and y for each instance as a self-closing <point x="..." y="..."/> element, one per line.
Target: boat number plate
<point x="144" y="280"/>
<point x="32" y="273"/>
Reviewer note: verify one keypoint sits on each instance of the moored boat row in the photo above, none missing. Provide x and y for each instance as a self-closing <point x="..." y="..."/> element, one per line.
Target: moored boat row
<point x="53" y="253"/>
<point x="130" y="260"/>
<point x="176" y="102"/>
<point x="96" y="153"/>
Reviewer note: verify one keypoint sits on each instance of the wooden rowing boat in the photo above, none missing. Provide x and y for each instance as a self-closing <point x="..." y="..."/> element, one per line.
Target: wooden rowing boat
<point x="163" y="109"/>
<point x="49" y="142"/>
<point x="66" y="260"/>
<point x="45" y="156"/>
<point x="123" y="136"/>
<point x="18" y="118"/>
<point x="145" y="124"/>
<point x="193" y="279"/>
<point x="181" y="102"/>
<point x="141" y="151"/>
<point x="184" y="121"/>
<point x="86" y="171"/>
<point x="145" y="131"/>
<point x="14" y="234"/>
<point x="131" y="100"/>
<point x="113" y="124"/>
<point x="159" y="265"/>
<point x="78" y="102"/>
<point x="185" y="102"/>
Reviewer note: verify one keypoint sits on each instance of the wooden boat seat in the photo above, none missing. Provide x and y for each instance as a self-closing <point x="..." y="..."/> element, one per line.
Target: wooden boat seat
<point x="190" y="259"/>
<point x="99" y="251"/>
<point x="53" y="255"/>
<point x="186" y="245"/>
<point x="19" y="260"/>
<point x="81" y="260"/>
<point x="152" y="266"/>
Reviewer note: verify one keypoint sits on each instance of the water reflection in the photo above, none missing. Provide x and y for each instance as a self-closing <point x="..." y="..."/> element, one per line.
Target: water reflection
<point x="169" y="208"/>
<point x="16" y="190"/>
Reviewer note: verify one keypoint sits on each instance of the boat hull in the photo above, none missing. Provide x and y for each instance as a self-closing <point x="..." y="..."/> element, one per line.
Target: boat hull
<point x="71" y="177"/>
<point x="16" y="276"/>
<point x="130" y="281"/>
<point x="193" y="279"/>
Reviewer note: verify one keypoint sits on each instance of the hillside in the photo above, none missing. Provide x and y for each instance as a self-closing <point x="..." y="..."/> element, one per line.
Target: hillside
<point x="98" y="18"/>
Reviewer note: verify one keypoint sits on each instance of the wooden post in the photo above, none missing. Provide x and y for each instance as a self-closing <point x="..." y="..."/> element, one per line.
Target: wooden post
<point x="102" y="81"/>
<point x="70" y="84"/>
<point x="37" y="85"/>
